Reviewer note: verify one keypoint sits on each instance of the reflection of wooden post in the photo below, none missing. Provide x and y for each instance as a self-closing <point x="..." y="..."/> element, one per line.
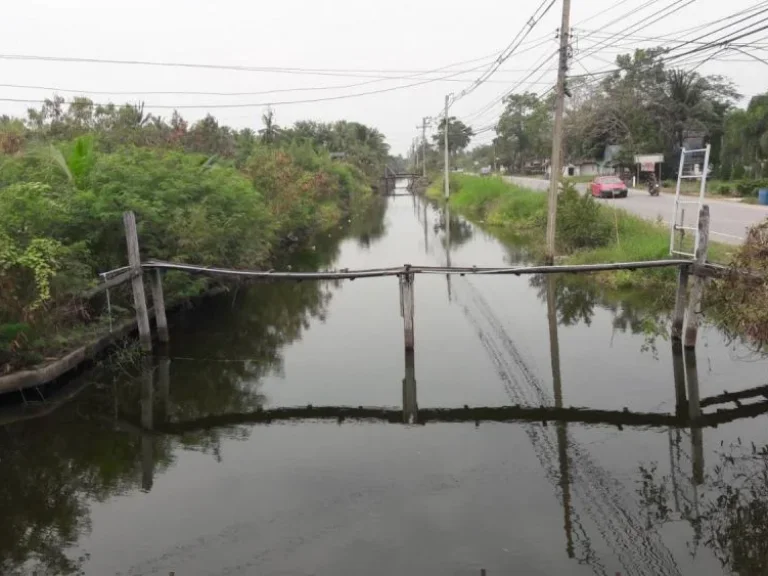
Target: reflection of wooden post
<point x="680" y="301"/>
<point x="407" y="306"/>
<point x="562" y="427"/>
<point x="694" y="304"/>
<point x="410" y="403"/>
<point x="164" y="385"/>
<point x="678" y="371"/>
<point x="147" y="424"/>
<point x="156" y="283"/>
<point x="139" y="298"/>
<point x="694" y="411"/>
<point x="554" y="342"/>
<point x="448" y="247"/>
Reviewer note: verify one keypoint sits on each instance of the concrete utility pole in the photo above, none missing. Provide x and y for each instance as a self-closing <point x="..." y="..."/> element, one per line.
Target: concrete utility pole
<point x="557" y="133"/>
<point x="445" y="129"/>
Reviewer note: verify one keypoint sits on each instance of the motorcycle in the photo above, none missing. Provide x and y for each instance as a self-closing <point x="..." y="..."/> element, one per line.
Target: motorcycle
<point x="654" y="188"/>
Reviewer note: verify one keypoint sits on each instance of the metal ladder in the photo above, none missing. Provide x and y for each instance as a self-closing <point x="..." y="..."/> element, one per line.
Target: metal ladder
<point x="687" y="171"/>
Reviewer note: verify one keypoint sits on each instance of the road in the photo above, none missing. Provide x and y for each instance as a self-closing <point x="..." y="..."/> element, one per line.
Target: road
<point x="729" y="219"/>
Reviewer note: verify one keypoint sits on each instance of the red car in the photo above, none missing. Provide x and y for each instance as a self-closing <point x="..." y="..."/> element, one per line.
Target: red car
<point x="608" y="187"/>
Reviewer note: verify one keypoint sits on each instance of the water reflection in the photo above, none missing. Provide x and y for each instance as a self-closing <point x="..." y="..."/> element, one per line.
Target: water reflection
<point x="410" y="401"/>
<point x="562" y="427"/>
<point x="578" y="299"/>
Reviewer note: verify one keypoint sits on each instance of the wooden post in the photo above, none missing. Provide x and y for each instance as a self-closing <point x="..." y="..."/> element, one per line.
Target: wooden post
<point x="680" y="302"/>
<point x="697" y="288"/>
<point x="139" y="298"/>
<point x="407" y="305"/>
<point x="156" y="283"/>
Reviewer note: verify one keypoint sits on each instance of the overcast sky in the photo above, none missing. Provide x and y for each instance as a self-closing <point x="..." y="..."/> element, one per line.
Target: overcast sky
<point x="358" y="41"/>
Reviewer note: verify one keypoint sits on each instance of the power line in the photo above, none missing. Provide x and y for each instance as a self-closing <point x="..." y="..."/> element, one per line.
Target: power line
<point x="521" y="35"/>
<point x="267" y="103"/>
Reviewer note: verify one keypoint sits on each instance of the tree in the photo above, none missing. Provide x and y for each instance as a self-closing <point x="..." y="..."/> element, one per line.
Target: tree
<point x="271" y="130"/>
<point x="459" y="135"/>
<point x="745" y="137"/>
<point x="645" y="107"/>
<point x="524" y="129"/>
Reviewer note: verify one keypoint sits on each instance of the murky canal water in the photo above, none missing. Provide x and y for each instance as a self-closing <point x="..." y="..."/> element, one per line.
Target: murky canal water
<point x="215" y="489"/>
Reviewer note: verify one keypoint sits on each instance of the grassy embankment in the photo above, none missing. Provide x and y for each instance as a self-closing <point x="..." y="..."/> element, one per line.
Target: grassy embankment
<point x="588" y="231"/>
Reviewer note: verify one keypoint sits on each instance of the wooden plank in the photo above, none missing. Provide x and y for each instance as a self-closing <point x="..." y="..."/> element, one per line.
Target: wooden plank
<point x="139" y="297"/>
<point x="111" y="283"/>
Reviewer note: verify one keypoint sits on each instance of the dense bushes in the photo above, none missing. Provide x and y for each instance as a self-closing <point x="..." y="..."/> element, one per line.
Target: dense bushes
<point x="61" y="220"/>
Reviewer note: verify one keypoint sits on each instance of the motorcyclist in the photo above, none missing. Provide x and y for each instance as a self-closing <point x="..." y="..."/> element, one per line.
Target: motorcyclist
<point x="653" y="185"/>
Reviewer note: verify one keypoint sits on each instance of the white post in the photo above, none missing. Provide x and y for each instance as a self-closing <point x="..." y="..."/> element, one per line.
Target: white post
<point x="445" y="174"/>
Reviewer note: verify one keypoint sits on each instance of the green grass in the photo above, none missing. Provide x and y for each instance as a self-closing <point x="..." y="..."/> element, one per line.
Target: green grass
<point x="506" y="208"/>
<point x="578" y="179"/>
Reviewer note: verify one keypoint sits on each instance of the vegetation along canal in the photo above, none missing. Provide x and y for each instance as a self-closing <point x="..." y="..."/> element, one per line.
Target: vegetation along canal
<point x="189" y="466"/>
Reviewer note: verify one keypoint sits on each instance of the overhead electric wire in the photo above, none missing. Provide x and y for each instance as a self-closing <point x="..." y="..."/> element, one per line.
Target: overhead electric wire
<point x="516" y="42"/>
<point x="266" y="103"/>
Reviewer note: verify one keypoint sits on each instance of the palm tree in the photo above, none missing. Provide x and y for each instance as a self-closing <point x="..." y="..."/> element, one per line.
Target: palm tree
<point x="271" y="130"/>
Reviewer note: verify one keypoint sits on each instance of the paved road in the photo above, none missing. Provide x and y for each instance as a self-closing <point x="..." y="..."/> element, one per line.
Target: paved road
<point x="729" y="219"/>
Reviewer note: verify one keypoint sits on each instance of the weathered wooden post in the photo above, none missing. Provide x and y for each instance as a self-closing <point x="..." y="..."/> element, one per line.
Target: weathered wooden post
<point x="137" y="282"/>
<point x="697" y="288"/>
<point x="156" y="283"/>
<point x="681" y="297"/>
<point x="407" y="305"/>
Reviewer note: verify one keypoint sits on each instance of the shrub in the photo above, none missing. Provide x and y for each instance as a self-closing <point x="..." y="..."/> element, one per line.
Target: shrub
<point x="581" y="221"/>
<point x="724" y="189"/>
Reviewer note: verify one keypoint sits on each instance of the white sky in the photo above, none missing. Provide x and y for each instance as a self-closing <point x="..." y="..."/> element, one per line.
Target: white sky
<point x="403" y="35"/>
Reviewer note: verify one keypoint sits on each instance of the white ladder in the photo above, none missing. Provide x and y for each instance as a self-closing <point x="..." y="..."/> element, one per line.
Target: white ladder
<point x="688" y="171"/>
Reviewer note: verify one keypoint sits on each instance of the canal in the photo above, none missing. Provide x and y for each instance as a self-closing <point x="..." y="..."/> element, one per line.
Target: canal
<point x="214" y="489"/>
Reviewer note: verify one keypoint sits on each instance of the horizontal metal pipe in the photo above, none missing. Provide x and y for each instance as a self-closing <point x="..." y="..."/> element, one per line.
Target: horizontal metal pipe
<point x="379" y="272"/>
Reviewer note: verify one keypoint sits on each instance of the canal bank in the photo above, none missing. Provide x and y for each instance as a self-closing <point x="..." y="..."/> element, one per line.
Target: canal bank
<point x="356" y="496"/>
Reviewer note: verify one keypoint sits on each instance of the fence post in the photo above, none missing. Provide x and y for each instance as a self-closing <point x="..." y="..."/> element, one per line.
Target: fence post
<point x="156" y="283"/>
<point x="139" y="298"/>
<point x="697" y="288"/>
<point x="407" y="306"/>
<point x="680" y="302"/>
